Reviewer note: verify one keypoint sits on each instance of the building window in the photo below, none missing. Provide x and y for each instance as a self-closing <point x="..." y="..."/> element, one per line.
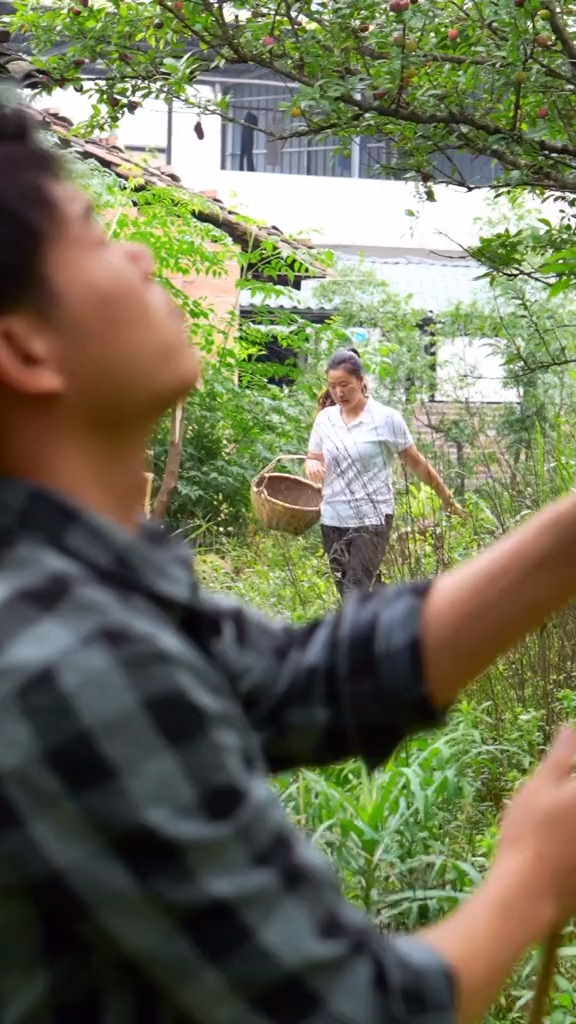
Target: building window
<point x="262" y="113"/>
<point x="378" y="159"/>
<point x="463" y="168"/>
<point x="472" y="370"/>
<point x="253" y="141"/>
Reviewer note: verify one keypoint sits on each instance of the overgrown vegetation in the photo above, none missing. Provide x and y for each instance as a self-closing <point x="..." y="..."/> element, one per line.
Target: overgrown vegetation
<point x="240" y="418"/>
<point x="408" y="841"/>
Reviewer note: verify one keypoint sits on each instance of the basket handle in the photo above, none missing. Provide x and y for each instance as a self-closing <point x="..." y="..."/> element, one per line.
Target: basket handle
<point x="279" y="458"/>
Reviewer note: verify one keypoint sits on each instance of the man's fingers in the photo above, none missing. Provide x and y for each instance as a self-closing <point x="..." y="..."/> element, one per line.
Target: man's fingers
<point x="561" y="758"/>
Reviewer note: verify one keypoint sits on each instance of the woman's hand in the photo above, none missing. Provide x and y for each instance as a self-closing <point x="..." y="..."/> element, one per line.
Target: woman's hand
<point x="418" y="464"/>
<point x="453" y="508"/>
<point x="315" y="471"/>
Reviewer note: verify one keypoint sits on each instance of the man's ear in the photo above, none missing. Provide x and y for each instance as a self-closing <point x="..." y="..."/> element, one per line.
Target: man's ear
<point x="27" y="357"/>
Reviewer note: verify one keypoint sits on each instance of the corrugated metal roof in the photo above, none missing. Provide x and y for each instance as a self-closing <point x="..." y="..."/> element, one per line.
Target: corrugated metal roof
<point x="432" y="283"/>
<point x="295" y="300"/>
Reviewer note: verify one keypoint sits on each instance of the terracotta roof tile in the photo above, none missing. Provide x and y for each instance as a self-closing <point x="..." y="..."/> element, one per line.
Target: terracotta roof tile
<point x="299" y="255"/>
<point x="249" y="236"/>
<point x="13" y="65"/>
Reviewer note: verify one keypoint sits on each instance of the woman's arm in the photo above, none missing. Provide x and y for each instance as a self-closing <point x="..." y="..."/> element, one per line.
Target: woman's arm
<point x="419" y="465"/>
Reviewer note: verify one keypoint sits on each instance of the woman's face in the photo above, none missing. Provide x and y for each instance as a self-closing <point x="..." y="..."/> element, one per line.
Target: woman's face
<point x="345" y="388"/>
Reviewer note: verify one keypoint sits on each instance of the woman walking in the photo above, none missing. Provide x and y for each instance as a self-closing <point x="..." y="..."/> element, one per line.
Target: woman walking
<point x="351" y="450"/>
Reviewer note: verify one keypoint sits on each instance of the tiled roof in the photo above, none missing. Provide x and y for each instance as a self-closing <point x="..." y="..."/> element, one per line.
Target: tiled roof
<point x="18" y="68"/>
<point x="299" y="255"/>
<point x="248" y="235"/>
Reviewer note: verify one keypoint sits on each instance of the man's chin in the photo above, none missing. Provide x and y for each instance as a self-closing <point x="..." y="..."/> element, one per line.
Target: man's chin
<point x="196" y="381"/>
<point x="180" y="387"/>
<point x="191" y="376"/>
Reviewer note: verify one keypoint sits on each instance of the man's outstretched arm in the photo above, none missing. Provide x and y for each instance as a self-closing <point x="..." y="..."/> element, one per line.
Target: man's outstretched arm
<point x="479" y="610"/>
<point x="359" y="681"/>
<point x="529" y="892"/>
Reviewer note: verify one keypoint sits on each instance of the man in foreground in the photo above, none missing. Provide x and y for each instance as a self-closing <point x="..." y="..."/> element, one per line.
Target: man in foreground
<point x="147" y="871"/>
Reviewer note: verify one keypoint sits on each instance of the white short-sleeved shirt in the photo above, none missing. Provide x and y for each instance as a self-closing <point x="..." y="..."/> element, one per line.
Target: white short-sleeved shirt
<point x="358" y="457"/>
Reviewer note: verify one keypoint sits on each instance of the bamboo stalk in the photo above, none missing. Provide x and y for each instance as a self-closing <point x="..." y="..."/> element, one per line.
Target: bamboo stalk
<point x="172" y="465"/>
<point x="148" y="495"/>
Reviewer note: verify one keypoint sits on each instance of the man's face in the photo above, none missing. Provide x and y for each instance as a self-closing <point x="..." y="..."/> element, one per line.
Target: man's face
<point x="112" y="340"/>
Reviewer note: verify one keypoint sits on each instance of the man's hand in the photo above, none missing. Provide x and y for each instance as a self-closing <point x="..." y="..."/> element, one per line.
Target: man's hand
<point x="530" y="891"/>
<point x="538" y="838"/>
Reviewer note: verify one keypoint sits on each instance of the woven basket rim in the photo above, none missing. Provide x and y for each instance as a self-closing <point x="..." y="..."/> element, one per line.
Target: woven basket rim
<point x="263" y="493"/>
<point x="293" y="508"/>
<point x="284" y="476"/>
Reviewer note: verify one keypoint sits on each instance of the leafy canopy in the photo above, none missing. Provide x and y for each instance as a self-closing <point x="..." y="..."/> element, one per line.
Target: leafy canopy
<point x="490" y="77"/>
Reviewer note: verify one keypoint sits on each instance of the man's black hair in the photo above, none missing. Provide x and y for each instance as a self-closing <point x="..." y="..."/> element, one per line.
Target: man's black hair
<point x="28" y="172"/>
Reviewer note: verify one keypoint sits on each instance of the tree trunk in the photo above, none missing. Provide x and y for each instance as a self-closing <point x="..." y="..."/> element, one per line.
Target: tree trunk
<point x="172" y="466"/>
<point x="460" y="488"/>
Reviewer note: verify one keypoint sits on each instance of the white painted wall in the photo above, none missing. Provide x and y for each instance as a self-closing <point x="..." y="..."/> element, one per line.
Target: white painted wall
<point x="196" y="162"/>
<point x="356" y="212"/>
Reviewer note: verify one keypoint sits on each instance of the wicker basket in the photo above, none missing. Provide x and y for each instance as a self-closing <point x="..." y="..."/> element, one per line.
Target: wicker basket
<point x="284" y="502"/>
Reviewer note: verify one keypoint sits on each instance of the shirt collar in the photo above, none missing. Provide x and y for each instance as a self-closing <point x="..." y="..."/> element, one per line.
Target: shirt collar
<point x="367" y="411"/>
<point x="365" y="414"/>
<point x="150" y="561"/>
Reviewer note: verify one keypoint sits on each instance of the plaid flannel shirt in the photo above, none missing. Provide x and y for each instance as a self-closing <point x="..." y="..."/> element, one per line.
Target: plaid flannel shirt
<point x="148" y="873"/>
